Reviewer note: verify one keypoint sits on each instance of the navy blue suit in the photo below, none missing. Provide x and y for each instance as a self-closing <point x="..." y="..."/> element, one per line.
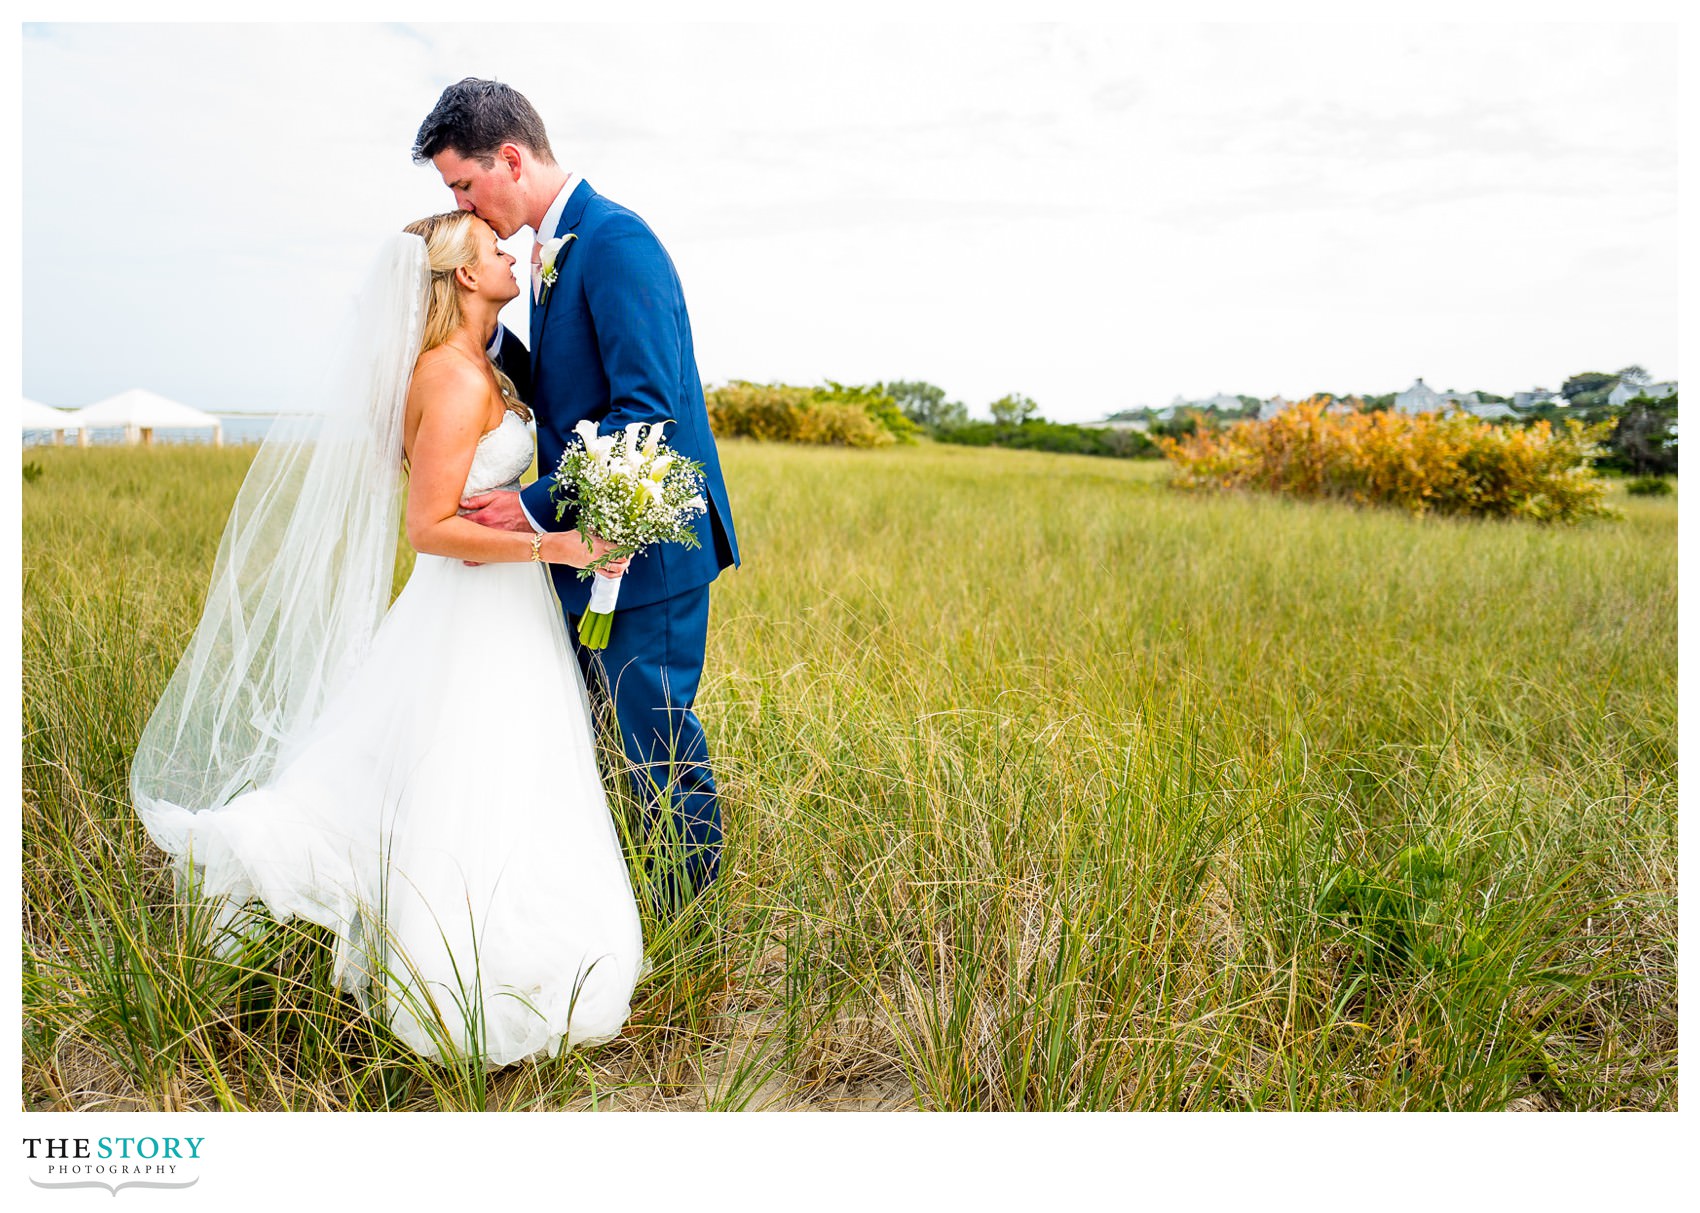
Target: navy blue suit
<point x="611" y="343"/>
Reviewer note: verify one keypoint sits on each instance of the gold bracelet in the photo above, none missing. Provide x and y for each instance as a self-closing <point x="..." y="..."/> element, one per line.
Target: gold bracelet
<point x="537" y="547"/>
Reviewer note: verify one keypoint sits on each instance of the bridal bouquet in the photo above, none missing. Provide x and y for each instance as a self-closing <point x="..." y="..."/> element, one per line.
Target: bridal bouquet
<point x="632" y="492"/>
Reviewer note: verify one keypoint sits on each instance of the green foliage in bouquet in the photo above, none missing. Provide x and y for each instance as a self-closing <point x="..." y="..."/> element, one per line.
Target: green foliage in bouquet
<point x="627" y="489"/>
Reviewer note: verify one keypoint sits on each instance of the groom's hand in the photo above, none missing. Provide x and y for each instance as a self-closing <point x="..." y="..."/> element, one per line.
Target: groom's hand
<point x="500" y="511"/>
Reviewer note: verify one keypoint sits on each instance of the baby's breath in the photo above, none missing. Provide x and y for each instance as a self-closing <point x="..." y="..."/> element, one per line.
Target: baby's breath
<point x="628" y="489"/>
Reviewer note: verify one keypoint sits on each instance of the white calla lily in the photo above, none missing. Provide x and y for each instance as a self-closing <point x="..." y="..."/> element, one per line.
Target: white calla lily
<point x="599" y="446"/>
<point x="652" y="443"/>
<point x="550" y="254"/>
<point x="624" y="485"/>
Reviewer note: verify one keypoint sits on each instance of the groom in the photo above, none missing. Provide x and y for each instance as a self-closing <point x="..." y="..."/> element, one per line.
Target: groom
<point x="610" y="343"/>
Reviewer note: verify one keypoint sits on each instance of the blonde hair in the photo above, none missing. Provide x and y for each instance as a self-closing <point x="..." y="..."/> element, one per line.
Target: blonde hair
<point x="451" y="241"/>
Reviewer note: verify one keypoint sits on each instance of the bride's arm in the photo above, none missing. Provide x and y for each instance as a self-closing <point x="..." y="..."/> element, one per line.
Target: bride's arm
<point x="451" y="400"/>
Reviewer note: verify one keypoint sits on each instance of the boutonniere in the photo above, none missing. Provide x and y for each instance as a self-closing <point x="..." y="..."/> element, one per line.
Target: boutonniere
<point x="549" y="261"/>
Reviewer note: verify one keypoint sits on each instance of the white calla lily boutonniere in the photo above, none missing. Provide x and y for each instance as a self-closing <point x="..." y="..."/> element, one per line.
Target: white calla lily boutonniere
<point x="549" y="262"/>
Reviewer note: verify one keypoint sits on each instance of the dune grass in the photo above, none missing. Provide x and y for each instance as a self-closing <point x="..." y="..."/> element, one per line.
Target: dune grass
<point x="1046" y="787"/>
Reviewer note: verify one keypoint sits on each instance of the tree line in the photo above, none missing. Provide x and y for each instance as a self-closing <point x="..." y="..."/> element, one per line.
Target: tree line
<point x="1642" y="439"/>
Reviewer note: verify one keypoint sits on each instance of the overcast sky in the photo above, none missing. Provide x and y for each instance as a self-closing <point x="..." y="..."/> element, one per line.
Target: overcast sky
<point x="1098" y="216"/>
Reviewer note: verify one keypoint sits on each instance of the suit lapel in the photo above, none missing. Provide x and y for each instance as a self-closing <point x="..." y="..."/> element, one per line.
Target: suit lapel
<point x="571" y="215"/>
<point x="536" y="334"/>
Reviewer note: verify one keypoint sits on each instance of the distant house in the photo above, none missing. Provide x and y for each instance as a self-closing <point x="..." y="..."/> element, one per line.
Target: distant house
<point x="1419" y="398"/>
<point x="1623" y="393"/>
<point x="1135" y="418"/>
<point x="1221" y="401"/>
<point x="1492" y="411"/>
<point x="1272" y="406"/>
<point x="1534" y="396"/>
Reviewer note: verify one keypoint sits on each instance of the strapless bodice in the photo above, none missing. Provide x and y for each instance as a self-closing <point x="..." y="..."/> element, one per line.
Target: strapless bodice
<point x="502" y="456"/>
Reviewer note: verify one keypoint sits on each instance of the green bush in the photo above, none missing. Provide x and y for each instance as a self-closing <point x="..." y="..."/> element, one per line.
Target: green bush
<point x="765" y="412"/>
<point x="1649" y="486"/>
<point x="834" y="415"/>
<point x="1643" y="439"/>
<point x="873" y="401"/>
<point x="1051" y="436"/>
<point x="835" y="423"/>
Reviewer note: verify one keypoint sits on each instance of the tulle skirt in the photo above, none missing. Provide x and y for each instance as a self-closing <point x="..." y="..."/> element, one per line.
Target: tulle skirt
<point x="445" y="818"/>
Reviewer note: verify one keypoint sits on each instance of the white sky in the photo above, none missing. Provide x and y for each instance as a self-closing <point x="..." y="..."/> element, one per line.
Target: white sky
<point x="1099" y="216"/>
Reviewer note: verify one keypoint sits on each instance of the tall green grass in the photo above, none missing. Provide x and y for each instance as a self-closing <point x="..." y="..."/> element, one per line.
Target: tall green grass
<point x="1045" y="787"/>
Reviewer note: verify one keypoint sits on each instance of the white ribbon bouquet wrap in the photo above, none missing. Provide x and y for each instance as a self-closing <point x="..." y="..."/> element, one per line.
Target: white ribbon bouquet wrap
<point x="631" y="491"/>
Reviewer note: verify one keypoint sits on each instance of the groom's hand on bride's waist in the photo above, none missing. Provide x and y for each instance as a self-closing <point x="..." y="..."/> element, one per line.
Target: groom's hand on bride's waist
<point x="499" y="510"/>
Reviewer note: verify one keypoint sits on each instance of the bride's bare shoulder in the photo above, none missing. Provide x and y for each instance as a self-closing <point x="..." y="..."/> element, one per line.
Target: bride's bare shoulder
<point x="442" y="369"/>
<point x="445" y="382"/>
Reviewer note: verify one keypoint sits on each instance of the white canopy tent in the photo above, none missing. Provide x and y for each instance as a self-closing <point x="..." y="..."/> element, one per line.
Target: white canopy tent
<point x="38" y="416"/>
<point x="140" y="412"/>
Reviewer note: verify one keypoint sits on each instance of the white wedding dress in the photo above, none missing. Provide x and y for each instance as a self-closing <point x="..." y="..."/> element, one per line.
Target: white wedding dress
<point x="444" y="816"/>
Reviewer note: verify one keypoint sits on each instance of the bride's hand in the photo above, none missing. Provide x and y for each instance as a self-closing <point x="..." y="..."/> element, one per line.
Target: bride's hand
<point x="569" y="547"/>
<point x="614" y="568"/>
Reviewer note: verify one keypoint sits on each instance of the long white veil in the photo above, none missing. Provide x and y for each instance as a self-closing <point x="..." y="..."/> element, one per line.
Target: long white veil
<point x="302" y="577"/>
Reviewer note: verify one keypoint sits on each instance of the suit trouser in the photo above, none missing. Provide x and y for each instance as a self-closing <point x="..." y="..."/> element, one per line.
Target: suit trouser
<point x="651" y="668"/>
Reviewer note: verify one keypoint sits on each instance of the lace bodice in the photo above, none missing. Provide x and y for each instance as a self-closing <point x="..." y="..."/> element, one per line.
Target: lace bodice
<point x="503" y="454"/>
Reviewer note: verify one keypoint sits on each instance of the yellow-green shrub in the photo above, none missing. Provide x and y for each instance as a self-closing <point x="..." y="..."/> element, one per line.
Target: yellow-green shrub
<point x="834" y="423"/>
<point x="1450" y="463"/>
<point x="778" y="412"/>
<point x="767" y="412"/>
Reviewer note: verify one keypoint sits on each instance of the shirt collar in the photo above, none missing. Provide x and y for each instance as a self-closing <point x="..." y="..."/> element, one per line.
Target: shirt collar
<point x="552" y="216"/>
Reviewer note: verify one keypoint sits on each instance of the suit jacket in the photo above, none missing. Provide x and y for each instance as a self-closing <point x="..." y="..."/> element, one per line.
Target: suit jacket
<point x="611" y="343"/>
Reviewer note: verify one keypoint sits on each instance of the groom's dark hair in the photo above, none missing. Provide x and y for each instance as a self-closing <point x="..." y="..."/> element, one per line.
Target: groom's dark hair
<point x="474" y="118"/>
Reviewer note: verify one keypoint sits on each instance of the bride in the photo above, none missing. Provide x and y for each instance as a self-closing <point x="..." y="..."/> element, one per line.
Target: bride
<point x="325" y="758"/>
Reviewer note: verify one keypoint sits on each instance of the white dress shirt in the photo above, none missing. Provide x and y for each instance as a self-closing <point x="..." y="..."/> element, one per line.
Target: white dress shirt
<point x="552" y="216"/>
<point x="551" y="220"/>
